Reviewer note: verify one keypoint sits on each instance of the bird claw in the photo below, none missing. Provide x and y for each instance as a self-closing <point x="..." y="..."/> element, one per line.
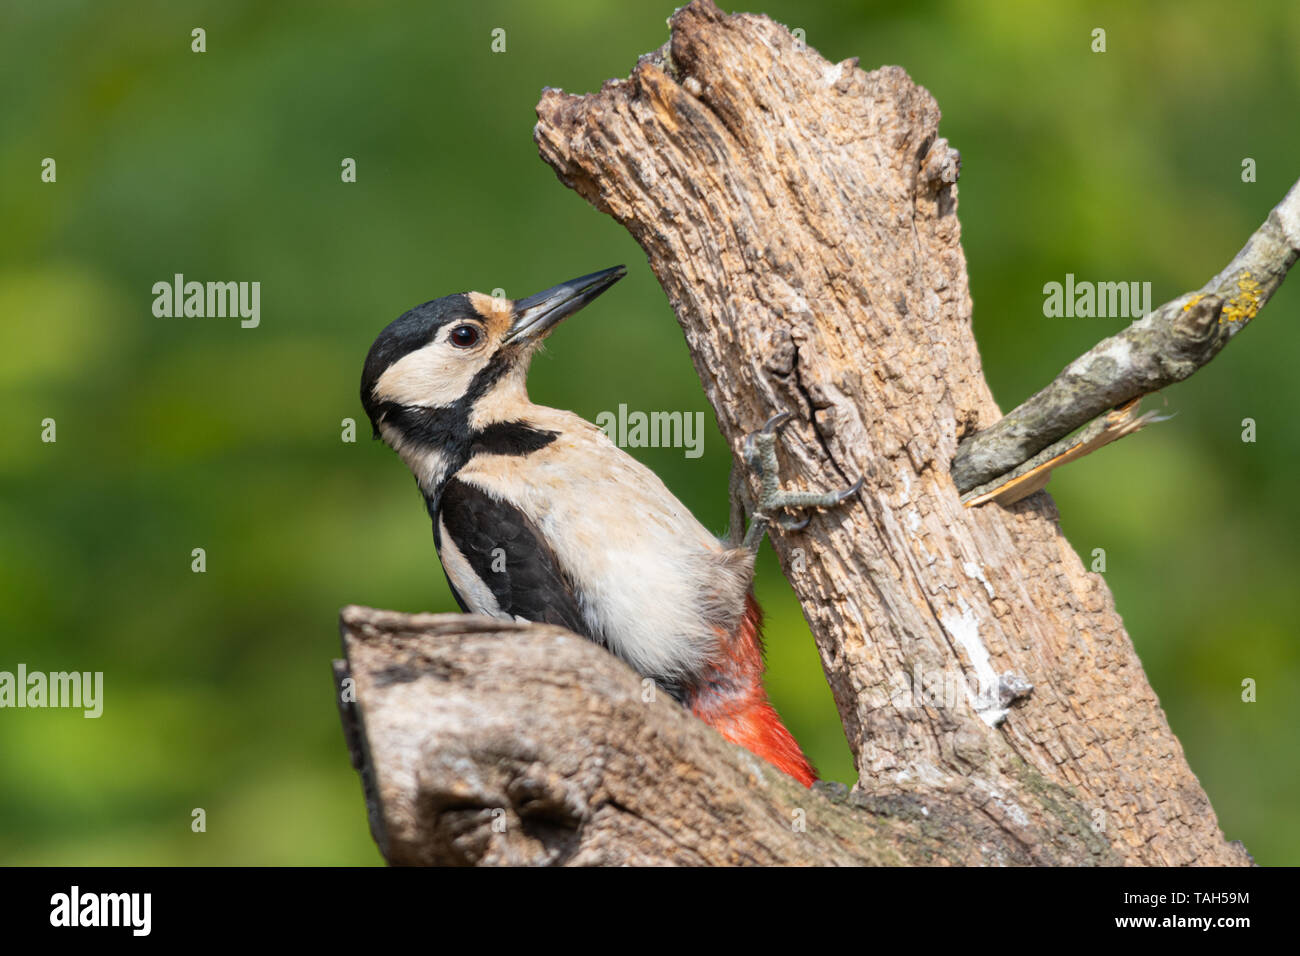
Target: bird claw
<point x="773" y="424"/>
<point x="760" y="457"/>
<point x="847" y="493"/>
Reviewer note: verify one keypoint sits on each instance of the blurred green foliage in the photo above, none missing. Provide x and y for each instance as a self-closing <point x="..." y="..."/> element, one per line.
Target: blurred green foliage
<point x="182" y="433"/>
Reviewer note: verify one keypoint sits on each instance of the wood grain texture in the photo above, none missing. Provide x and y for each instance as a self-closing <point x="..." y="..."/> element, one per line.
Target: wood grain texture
<point x="483" y="742"/>
<point x="802" y="218"/>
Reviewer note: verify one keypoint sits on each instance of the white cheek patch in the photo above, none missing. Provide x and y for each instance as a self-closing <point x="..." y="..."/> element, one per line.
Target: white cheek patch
<point x="437" y="374"/>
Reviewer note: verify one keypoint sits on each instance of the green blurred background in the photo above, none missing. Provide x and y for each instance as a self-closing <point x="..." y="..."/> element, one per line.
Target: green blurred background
<point x="182" y="433"/>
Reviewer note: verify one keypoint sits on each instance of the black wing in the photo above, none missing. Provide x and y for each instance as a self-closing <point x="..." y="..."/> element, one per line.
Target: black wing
<point x="508" y="554"/>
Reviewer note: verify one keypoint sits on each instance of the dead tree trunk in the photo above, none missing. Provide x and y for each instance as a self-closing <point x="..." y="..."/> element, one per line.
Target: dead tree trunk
<point x="801" y="216"/>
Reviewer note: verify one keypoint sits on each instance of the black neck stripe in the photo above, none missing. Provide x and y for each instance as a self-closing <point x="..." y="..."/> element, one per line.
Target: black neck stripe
<point x="446" y="428"/>
<point x="510" y="438"/>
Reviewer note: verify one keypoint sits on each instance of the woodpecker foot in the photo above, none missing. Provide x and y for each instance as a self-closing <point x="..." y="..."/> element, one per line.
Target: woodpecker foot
<point x="760" y="458"/>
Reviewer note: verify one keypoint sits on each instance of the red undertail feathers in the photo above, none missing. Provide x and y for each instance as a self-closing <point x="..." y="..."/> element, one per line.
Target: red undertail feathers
<point x="731" y="699"/>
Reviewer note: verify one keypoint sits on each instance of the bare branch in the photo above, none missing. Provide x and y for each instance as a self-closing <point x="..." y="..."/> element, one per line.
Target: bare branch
<point x="1156" y="351"/>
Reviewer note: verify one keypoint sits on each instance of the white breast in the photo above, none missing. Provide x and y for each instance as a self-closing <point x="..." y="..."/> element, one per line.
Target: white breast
<point x="651" y="579"/>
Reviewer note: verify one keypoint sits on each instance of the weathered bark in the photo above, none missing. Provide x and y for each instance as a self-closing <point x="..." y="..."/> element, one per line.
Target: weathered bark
<point x="487" y="742"/>
<point x="801" y="217"/>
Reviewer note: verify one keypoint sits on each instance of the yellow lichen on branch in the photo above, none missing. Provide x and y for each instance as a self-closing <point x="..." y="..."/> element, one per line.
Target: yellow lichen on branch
<point x="1242" y="307"/>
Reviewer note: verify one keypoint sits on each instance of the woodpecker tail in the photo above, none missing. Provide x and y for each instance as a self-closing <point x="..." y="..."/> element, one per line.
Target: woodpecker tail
<point x="731" y="699"/>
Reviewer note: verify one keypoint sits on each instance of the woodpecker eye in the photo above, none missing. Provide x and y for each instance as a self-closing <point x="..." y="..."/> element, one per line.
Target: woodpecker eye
<point x="464" y="336"/>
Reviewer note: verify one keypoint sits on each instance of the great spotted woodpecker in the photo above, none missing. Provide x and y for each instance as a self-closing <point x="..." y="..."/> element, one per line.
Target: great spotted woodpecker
<point x="538" y="516"/>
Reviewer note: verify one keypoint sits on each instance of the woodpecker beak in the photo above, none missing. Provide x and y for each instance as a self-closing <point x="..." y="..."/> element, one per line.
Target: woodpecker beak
<point x="533" y="317"/>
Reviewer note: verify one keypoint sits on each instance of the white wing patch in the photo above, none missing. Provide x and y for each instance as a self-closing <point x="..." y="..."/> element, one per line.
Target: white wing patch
<point x="476" y="594"/>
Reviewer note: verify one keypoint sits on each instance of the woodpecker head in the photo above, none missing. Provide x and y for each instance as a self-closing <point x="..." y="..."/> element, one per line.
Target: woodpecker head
<point x="454" y="366"/>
